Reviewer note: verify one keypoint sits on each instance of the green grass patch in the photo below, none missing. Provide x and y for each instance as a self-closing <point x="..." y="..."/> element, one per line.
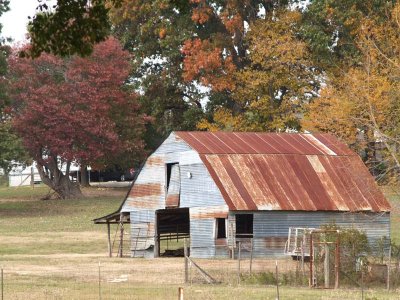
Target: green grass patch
<point x="23" y="192"/>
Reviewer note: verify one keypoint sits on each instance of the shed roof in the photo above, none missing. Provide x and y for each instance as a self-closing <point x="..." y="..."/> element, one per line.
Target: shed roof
<point x="271" y="171"/>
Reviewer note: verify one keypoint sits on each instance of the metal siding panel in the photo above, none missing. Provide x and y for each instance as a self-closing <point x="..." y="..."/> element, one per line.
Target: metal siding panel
<point x="173" y="144"/>
<point x="271" y="228"/>
<point x="202" y="243"/>
<point x="142" y="233"/>
<point x="200" y="189"/>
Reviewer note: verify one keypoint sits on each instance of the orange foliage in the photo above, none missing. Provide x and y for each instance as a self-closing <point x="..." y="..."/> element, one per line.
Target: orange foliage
<point x="162" y="33"/>
<point x="205" y="62"/>
<point x="201" y="14"/>
<point x="232" y="23"/>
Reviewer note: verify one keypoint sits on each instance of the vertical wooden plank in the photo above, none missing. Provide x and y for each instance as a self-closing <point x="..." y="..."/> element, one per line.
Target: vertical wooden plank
<point x="388" y="268"/>
<point x="311" y="260"/>
<point x="326" y="266"/>
<point x="238" y="264"/>
<point x="251" y="255"/>
<point x="109" y="240"/>
<point x="277" y="279"/>
<point x="156" y="237"/>
<point x="121" y="238"/>
<point x="185" y="253"/>
<point x="337" y="261"/>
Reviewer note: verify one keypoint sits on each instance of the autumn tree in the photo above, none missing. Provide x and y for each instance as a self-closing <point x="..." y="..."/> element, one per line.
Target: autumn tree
<point x="75" y="110"/>
<point x="331" y="28"/>
<point x="362" y="105"/>
<point x="278" y="80"/>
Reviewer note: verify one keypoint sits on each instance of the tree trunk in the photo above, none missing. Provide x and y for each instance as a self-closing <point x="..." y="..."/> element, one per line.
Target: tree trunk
<point x="53" y="177"/>
<point x="84" y="176"/>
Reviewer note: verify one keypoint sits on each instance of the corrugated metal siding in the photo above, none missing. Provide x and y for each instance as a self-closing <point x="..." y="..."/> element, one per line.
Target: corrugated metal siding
<point x="200" y="189"/>
<point x="271" y="228"/>
<point x="270" y="231"/>
<point x="148" y="191"/>
<point x="142" y="232"/>
<point x="202" y="243"/>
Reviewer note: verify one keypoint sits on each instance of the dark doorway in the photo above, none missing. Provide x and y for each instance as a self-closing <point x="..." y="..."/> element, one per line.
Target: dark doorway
<point x="244" y="225"/>
<point x="221" y="228"/>
<point x="172" y="227"/>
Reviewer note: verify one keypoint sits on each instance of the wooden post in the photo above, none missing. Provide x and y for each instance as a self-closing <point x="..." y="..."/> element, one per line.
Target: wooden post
<point x="277" y="280"/>
<point x="362" y="281"/>
<point x="251" y="255"/>
<point x="32" y="178"/>
<point x="302" y="258"/>
<point x="121" y="238"/>
<point x="238" y="265"/>
<point x="311" y="261"/>
<point x="337" y="261"/>
<point x="326" y="266"/>
<point x="99" y="282"/>
<point x="2" y="284"/>
<point x="109" y="240"/>
<point x="388" y="268"/>
<point x="156" y="237"/>
<point x="186" y="261"/>
<point x="180" y="293"/>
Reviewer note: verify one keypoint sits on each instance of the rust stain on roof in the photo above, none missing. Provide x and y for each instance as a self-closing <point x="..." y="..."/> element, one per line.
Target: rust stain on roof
<point x="263" y="143"/>
<point x="275" y="171"/>
<point x="295" y="182"/>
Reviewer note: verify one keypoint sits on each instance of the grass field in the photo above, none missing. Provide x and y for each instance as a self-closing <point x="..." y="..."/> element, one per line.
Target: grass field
<point x="51" y="250"/>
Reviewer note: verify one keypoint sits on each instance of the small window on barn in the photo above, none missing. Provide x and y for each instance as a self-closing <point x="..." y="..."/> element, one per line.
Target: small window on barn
<point x="244" y="225"/>
<point x="220" y="228"/>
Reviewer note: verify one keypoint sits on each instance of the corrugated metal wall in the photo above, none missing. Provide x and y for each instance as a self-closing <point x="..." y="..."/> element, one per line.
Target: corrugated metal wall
<point x="270" y="229"/>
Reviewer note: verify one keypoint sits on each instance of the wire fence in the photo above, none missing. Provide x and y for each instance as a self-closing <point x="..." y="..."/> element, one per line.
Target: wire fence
<point x="138" y="278"/>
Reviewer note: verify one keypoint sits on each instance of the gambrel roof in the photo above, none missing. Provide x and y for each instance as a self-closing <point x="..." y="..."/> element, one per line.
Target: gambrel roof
<point x="282" y="171"/>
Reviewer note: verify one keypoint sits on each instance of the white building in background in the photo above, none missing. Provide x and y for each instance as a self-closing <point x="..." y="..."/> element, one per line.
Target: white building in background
<point x="23" y="175"/>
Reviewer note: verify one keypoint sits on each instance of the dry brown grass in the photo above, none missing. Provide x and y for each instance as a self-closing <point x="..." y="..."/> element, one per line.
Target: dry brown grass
<point x="52" y="250"/>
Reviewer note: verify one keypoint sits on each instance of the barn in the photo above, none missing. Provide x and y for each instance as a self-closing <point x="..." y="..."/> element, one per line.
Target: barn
<point x="218" y="188"/>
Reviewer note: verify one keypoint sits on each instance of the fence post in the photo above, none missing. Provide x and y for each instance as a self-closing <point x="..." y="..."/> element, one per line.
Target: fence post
<point x="251" y="256"/>
<point x="388" y="268"/>
<point x="32" y="180"/>
<point x="186" y="261"/>
<point x="362" y="281"/>
<point x="277" y="280"/>
<point x="2" y="284"/>
<point x="99" y="282"/>
<point x="238" y="266"/>
<point x="180" y="293"/>
<point x="326" y="266"/>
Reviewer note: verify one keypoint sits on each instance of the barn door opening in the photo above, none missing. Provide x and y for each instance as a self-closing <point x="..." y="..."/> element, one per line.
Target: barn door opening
<point x="172" y="227"/>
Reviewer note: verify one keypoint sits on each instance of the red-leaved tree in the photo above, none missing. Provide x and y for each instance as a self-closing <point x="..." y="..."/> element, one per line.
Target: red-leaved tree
<point x="75" y="110"/>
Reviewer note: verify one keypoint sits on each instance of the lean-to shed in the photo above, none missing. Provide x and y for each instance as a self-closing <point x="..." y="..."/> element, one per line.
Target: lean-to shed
<point x="221" y="187"/>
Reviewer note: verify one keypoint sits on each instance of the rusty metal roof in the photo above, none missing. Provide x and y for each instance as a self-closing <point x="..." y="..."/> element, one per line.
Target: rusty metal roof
<point x="271" y="171"/>
<point x="263" y="143"/>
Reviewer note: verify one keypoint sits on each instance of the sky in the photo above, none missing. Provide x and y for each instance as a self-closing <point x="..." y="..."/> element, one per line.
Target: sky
<point x="15" y="21"/>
